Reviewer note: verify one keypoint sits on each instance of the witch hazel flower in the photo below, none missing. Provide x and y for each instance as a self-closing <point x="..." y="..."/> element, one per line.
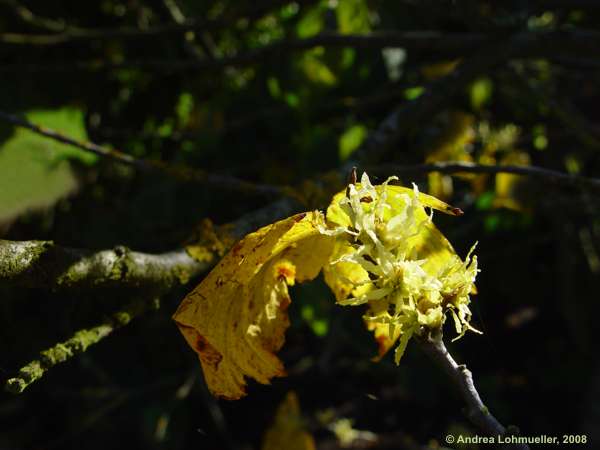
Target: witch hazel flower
<point x="390" y="256"/>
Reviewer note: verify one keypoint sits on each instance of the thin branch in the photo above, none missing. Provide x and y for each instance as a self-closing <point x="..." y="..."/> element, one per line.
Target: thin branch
<point x="452" y="167"/>
<point x="43" y="264"/>
<point x="462" y="379"/>
<point x="178" y="172"/>
<point x="409" y="116"/>
<point x="528" y="44"/>
<point x="70" y="34"/>
<point x="178" y="17"/>
<point x="27" y="16"/>
<point x="78" y="343"/>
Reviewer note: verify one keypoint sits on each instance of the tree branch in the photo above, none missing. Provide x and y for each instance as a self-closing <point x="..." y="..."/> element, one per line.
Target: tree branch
<point x="189" y="43"/>
<point x="451" y="167"/>
<point x="46" y="265"/>
<point x="66" y="34"/>
<point x="462" y="379"/>
<point x="178" y="172"/>
<point x="522" y="45"/>
<point x="527" y="44"/>
<point x="78" y="343"/>
<point x="27" y="16"/>
<point x="43" y="264"/>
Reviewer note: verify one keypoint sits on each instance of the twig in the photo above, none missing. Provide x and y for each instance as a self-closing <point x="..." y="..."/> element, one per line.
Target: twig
<point x="451" y="167"/>
<point x="462" y="379"/>
<point x="521" y="45"/>
<point x="75" y="345"/>
<point x="178" y="172"/>
<point x="45" y="265"/>
<point x="409" y="115"/>
<point x="27" y="16"/>
<point x="68" y="34"/>
<point x="190" y="37"/>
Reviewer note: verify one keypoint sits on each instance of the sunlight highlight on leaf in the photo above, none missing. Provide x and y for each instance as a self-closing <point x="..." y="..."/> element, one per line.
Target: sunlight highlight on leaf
<point x="236" y="318"/>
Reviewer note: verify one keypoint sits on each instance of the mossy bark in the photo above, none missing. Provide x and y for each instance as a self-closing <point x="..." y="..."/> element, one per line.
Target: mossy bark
<point x="43" y="264"/>
<point x="76" y="344"/>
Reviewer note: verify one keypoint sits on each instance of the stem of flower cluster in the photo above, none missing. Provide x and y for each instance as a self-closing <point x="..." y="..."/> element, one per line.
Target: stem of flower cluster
<point x="462" y="378"/>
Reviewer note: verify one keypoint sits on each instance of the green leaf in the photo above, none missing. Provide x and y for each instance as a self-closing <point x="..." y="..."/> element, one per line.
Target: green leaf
<point x="350" y="140"/>
<point x="34" y="170"/>
<point x="481" y="92"/>
<point x="312" y="22"/>
<point x="316" y="69"/>
<point x="184" y="108"/>
<point x="353" y="17"/>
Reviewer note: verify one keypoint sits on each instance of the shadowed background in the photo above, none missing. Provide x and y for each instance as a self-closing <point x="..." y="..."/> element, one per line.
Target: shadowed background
<point x="206" y="112"/>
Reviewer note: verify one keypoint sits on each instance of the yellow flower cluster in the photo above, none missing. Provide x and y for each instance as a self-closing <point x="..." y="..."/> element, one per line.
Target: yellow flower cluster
<point x="391" y="256"/>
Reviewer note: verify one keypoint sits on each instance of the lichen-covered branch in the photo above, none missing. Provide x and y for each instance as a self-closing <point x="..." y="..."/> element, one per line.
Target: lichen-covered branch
<point x="462" y="378"/>
<point x="76" y="344"/>
<point x="49" y="266"/>
<point x="43" y="264"/>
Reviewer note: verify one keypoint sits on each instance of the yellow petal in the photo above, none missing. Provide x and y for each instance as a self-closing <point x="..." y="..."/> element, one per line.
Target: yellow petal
<point x="235" y="319"/>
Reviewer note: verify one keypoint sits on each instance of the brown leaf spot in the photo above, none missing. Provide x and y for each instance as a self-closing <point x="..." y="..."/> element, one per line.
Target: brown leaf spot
<point x="208" y="354"/>
<point x="299" y="217"/>
<point x="236" y="248"/>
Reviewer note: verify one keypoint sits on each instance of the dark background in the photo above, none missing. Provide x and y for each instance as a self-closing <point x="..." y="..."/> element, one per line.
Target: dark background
<point x="525" y="91"/>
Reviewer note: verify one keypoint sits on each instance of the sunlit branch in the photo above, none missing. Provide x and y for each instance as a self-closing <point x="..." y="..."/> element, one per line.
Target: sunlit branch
<point x="43" y="264"/>
<point x="462" y="379"/>
<point x="178" y="172"/>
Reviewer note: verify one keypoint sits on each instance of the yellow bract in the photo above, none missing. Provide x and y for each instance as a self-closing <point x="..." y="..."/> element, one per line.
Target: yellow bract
<point x="236" y="318"/>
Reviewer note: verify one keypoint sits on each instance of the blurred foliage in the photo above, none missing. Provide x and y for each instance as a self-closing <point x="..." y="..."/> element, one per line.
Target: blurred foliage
<point x="212" y="99"/>
<point x="34" y="170"/>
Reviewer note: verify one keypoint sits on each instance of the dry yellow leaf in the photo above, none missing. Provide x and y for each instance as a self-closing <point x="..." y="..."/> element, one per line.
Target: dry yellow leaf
<point x="288" y="429"/>
<point x="236" y="318"/>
